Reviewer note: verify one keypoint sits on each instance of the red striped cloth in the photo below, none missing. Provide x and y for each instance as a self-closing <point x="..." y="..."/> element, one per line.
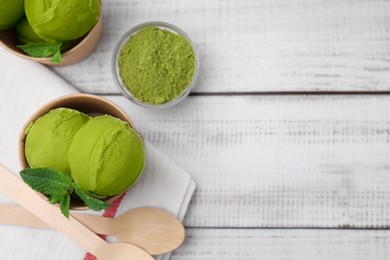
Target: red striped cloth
<point x="108" y="213"/>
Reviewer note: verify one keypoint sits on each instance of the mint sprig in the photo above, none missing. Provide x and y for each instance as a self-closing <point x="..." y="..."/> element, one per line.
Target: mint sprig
<point x="59" y="186"/>
<point x="91" y="202"/>
<point x="42" y="50"/>
<point x="46" y="180"/>
<point x="65" y="204"/>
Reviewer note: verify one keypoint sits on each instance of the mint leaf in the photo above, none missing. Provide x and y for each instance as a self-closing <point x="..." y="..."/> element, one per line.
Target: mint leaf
<point x="57" y="56"/>
<point x="94" y="195"/>
<point x="50" y="182"/>
<point x="47" y="181"/>
<point x="91" y="202"/>
<point x="63" y="200"/>
<point x="65" y="204"/>
<point x="55" y="199"/>
<point x="42" y="50"/>
<point x="59" y="186"/>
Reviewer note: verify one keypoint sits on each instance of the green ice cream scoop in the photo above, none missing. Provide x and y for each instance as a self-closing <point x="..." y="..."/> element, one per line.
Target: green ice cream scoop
<point x="49" y="138"/>
<point x="26" y="34"/>
<point x="60" y="21"/>
<point x="106" y="156"/>
<point x="11" y="11"/>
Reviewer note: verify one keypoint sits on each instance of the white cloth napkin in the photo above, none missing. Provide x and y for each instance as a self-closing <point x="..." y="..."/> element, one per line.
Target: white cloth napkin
<point x="24" y="87"/>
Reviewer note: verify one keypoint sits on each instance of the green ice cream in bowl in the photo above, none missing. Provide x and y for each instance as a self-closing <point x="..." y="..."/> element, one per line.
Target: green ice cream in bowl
<point x="61" y="21"/>
<point x="48" y="138"/>
<point x="52" y="32"/>
<point x="106" y="156"/>
<point x="88" y="138"/>
<point x="11" y="11"/>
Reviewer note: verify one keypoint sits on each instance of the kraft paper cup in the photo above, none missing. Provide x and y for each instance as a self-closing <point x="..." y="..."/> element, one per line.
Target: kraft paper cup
<point x="88" y="104"/>
<point x="85" y="46"/>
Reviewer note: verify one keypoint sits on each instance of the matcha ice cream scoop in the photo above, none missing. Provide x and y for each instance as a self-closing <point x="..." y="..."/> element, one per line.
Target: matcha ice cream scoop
<point x="26" y="34"/>
<point x="60" y="21"/>
<point x="11" y="11"/>
<point x="106" y="156"/>
<point x="49" y="138"/>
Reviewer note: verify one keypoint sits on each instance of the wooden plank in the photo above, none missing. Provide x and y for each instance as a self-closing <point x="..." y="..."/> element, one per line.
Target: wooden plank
<point x="259" y="45"/>
<point x="204" y="244"/>
<point x="278" y="161"/>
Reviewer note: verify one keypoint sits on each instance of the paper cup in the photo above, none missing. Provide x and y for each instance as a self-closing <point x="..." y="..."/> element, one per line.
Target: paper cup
<point x="85" y="46"/>
<point x="86" y="103"/>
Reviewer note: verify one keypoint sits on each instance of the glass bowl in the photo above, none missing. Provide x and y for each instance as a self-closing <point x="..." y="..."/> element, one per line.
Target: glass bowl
<point x="115" y="67"/>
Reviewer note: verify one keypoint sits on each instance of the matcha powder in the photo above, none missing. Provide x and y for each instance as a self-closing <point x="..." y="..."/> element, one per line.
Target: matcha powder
<point x="156" y="65"/>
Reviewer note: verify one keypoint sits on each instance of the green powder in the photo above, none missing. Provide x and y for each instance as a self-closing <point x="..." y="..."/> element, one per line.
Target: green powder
<point x="156" y="65"/>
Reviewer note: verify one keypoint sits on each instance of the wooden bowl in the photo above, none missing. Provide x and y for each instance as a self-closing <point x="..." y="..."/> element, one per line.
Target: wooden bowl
<point x="86" y="103"/>
<point x="83" y="48"/>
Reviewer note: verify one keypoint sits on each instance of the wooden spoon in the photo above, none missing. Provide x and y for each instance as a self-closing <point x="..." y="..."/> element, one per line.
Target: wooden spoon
<point x="16" y="189"/>
<point x="154" y="230"/>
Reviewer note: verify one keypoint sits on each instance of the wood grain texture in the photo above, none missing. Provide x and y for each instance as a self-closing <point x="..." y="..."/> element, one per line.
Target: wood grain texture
<point x="259" y="45"/>
<point x="238" y="244"/>
<point x="278" y="161"/>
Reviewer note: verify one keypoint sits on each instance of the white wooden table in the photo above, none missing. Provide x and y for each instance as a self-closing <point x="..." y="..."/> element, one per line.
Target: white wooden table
<point x="287" y="132"/>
